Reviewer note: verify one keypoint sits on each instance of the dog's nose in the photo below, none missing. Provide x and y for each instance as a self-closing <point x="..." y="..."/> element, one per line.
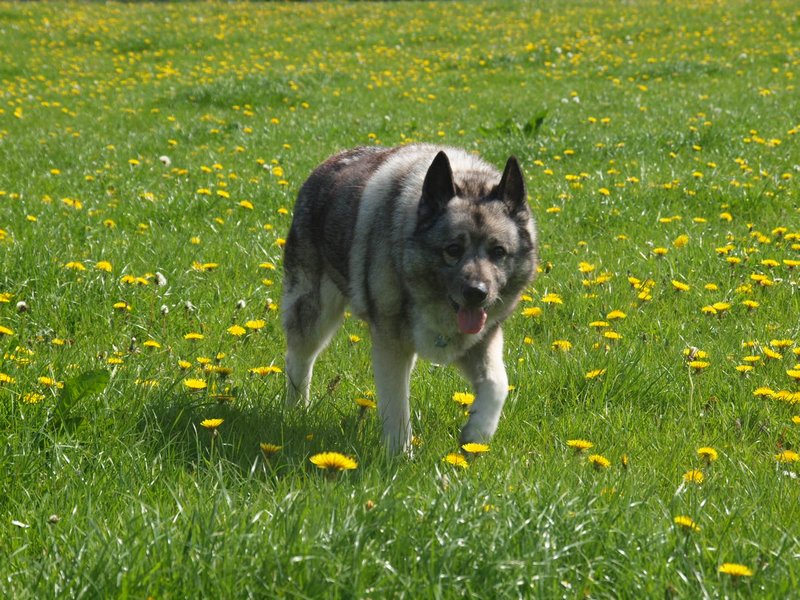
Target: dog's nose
<point x="474" y="293"/>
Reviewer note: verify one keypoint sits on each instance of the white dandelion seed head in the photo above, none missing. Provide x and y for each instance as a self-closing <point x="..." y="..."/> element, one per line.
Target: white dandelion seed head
<point x="165" y="160"/>
<point x="189" y="306"/>
<point x="160" y="279"/>
<point x="164" y="309"/>
<point x="240" y="304"/>
<point x="22" y="306"/>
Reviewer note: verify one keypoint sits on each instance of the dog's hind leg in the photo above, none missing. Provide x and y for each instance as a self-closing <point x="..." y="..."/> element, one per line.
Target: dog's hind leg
<point x="313" y="309"/>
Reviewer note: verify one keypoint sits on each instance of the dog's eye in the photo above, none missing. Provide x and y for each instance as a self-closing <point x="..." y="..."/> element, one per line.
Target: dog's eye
<point x="497" y="252"/>
<point x="453" y="252"/>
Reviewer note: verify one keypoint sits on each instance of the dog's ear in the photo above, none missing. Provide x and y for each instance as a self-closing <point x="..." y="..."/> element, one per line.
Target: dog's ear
<point x="438" y="188"/>
<point x="511" y="189"/>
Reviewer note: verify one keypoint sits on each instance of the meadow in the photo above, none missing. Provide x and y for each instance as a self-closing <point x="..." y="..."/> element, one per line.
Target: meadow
<point x="149" y="159"/>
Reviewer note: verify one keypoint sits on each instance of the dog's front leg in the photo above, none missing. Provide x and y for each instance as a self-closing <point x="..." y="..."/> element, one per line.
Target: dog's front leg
<point x="392" y="362"/>
<point x="483" y="366"/>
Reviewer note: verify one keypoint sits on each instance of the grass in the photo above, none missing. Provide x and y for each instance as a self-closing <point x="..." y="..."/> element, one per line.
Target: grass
<point x="167" y="138"/>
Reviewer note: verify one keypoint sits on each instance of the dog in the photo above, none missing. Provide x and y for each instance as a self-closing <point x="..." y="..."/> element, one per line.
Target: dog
<point x="432" y="247"/>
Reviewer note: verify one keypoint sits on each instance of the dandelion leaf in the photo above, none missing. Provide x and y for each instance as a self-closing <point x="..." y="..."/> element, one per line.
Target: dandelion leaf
<point x="81" y="386"/>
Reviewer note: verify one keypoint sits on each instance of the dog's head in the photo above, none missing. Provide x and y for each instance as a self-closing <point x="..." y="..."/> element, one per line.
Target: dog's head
<point x="474" y="242"/>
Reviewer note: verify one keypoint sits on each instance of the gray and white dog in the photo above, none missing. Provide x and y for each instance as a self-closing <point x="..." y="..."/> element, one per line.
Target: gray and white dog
<point x="432" y="247"/>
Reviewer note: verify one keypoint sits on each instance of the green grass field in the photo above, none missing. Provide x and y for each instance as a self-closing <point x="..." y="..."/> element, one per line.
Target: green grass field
<point x="149" y="159"/>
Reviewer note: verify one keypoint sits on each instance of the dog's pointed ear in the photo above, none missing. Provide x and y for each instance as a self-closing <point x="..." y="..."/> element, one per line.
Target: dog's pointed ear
<point x="438" y="188"/>
<point x="511" y="189"/>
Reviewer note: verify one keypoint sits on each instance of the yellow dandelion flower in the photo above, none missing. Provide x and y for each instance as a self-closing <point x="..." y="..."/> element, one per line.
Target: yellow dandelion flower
<point x="735" y="570"/>
<point x="720" y="306"/>
<point x="764" y="391"/>
<point x="236" y="330"/>
<point x="152" y="344"/>
<point x="193" y="336"/>
<point x="6" y="378"/>
<point x="599" y="324"/>
<point x="255" y="324"/>
<point x="707" y="453"/>
<point x="612" y="335"/>
<point x="457" y="460"/>
<point x="268" y="370"/>
<point x="698" y="365"/>
<point x="598" y="461"/>
<point x="5" y="331"/>
<point x="693" y="476"/>
<point x="475" y="448"/>
<point x="686" y="523"/>
<point x="660" y="251"/>
<point x="531" y="311"/>
<point x="195" y="384"/>
<point x="680" y="241"/>
<point x="787" y="456"/>
<point x="552" y="298"/>
<point x="269" y="449"/>
<point x="794" y="373"/>
<point x="595" y="373"/>
<point x="615" y="314"/>
<point x="104" y="265"/>
<point x="366" y="403"/>
<point x="579" y="445"/>
<point x="211" y="423"/>
<point x="32" y="398"/>
<point x="563" y="345"/>
<point x="75" y="266"/>
<point x="184" y="364"/>
<point x="463" y="398"/>
<point x="354" y="339"/>
<point x="769" y="353"/>
<point x="50" y="382"/>
<point x="333" y="461"/>
<point x="751" y="304"/>
<point x="680" y="286"/>
<point x="744" y="368"/>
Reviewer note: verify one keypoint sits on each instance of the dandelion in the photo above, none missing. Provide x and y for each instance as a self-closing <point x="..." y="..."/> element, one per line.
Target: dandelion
<point x="680" y="286"/>
<point x="579" y="445"/>
<point x="531" y="311"/>
<point x="595" y="373"/>
<point x="366" y="403"/>
<point x="211" y="424"/>
<point x="195" y="385"/>
<point x="236" y="330"/>
<point x="457" y="460"/>
<point x="562" y="345"/>
<point x="6" y="378"/>
<point x="699" y="365"/>
<point x="660" y="251"/>
<point x="794" y="374"/>
<point x="475" y="448"/>
<point x="552" y="299"/>
<point x="708" y="454"/>
<point x="5" y="331"/>
<point x="598" y="461"/>
<point x="333" y="461"/>
<point x="693" y="476"/>
<point x="796" y="419"/>
<point x="354" y="339"/>
<point x="152" y="344"/>
<point x="686" y="523"/>
<point x="463" y="398"/>
<point x="269" y="449"/>
<point x="255" y="325"/>
<point x="75" y="266"/>
<point x="268" y="370"/>
<point x="193" y="336"/>
<point x="787" y="456"/>
<point x="735" y="570"/>
<point x="32" y="398"/>
<point x="104" y="265"/>
<point x="615" y="314"/>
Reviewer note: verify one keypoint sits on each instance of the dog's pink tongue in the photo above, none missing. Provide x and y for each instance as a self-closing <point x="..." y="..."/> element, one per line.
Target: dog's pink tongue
<point x="471" y="320"/>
